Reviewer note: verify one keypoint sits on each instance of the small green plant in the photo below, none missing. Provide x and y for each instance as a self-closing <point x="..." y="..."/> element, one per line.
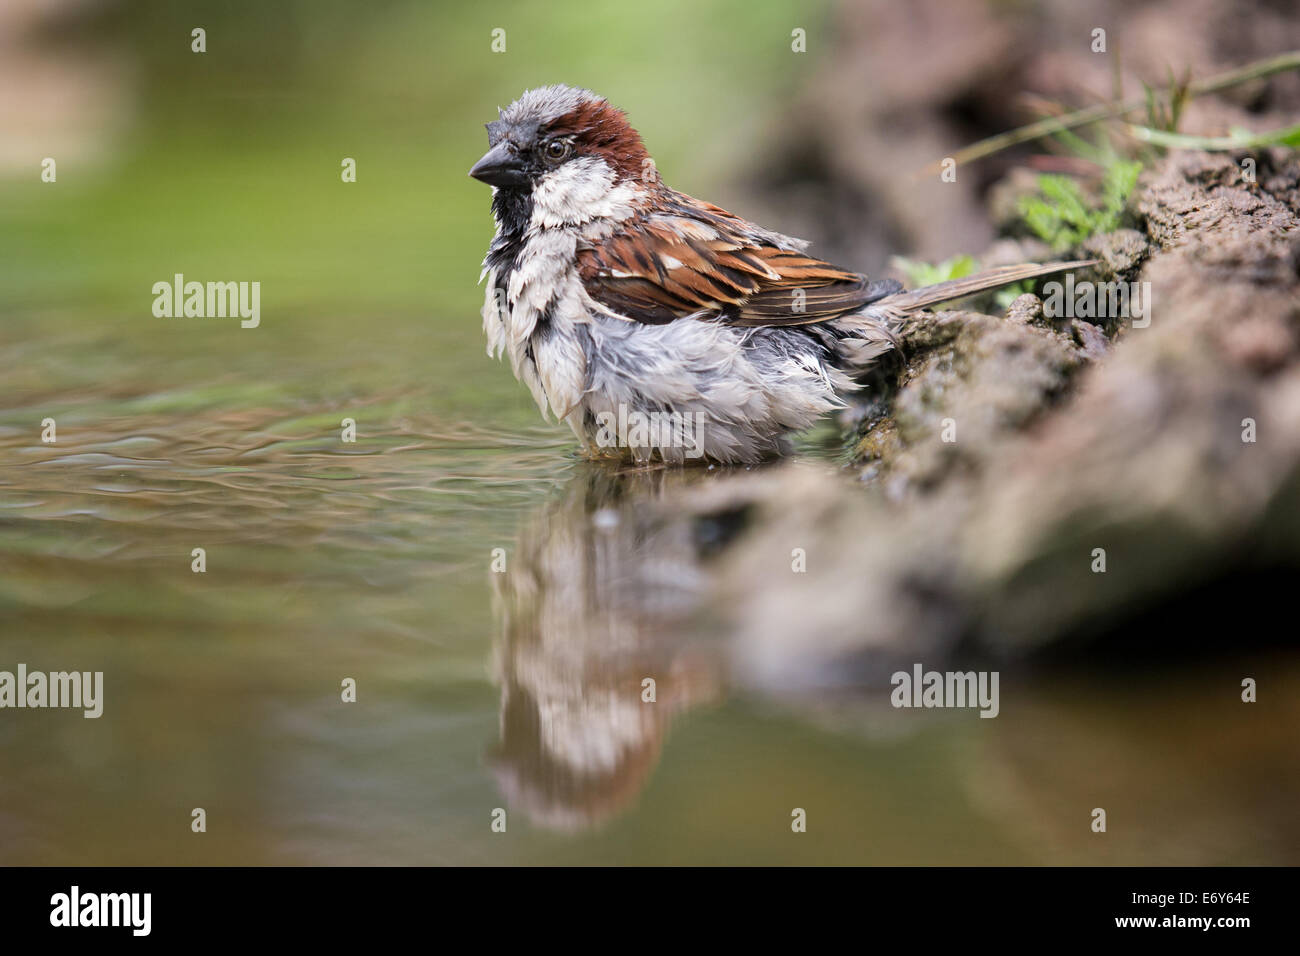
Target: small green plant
<point x="1158" y="115"/>
<point x="1165" y="113"/>
<point x="1238" y="138"/>
<point x="1003" y="297"/>
<point x="920" y="274"/>
<point x="1063" y="217"/>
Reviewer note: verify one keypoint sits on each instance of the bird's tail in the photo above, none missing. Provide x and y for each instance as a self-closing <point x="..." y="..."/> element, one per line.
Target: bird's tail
<point x="877" y="328"/>
<point x="910" y="301"/>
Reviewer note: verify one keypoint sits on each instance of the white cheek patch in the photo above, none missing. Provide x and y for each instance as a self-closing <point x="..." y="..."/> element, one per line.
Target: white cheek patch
<point x="579" y="191"/>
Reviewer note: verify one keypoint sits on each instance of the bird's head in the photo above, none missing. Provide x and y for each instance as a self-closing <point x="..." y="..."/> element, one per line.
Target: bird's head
<point x="566" y="148"/>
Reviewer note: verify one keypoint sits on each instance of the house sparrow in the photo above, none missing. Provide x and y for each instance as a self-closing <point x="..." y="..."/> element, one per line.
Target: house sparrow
<point x="658" y="325"/>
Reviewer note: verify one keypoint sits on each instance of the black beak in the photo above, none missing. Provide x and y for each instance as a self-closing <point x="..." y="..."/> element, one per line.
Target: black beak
<point x="500" y="167"/>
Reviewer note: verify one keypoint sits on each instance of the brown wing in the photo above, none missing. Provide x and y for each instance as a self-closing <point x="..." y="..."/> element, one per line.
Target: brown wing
<point x="691" y="258"/>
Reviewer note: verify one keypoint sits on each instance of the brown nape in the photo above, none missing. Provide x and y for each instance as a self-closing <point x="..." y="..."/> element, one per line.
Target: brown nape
<point x="603" y="130"/>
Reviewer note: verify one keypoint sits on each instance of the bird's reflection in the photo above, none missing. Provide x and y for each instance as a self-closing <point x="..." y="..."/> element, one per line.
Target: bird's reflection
<point x="596" y="653"/>
<point x="655" y="575"/>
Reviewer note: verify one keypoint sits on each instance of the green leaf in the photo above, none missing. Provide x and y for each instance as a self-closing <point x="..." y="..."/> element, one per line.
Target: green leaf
<point x="922" y="273"/>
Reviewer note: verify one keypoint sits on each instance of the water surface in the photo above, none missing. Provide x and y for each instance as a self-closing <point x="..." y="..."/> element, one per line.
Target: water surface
<point x="479" y="689"/>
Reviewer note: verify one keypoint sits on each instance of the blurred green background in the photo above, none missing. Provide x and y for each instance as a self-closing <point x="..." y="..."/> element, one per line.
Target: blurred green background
<point x="226" y="164"/>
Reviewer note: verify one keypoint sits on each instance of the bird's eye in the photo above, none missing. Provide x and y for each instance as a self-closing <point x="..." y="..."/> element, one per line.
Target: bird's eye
<point x="557" y="151"/>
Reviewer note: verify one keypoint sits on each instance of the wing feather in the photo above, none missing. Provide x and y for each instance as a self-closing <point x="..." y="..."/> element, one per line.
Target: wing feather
<point x="696" y="259"/>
